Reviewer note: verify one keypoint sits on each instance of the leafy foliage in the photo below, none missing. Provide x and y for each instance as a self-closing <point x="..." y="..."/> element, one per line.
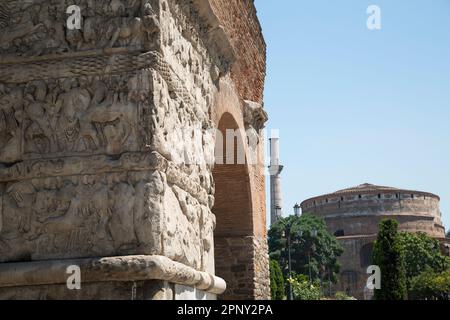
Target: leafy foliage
<point x="388" y="255"/>
<point x="448" y="234"/>
<point x="422" y="253"/>
<point x="304" y="290"/>
<point x="431" y="286"/>
<point x="342" y="296"/>
<point x="276" y="281"/>
<point x="318" y="253"/>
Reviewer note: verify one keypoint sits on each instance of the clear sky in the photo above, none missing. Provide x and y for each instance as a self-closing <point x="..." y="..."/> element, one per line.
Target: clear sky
<point x="354" y="105"/>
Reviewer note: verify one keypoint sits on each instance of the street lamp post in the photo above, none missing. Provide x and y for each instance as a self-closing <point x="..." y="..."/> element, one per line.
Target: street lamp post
<point x="297" y="209"/>
<point x="291" y="295"/>
<point x="314" y="235"/>
<point x="447" y="254"/>
<point x="309" y="266"/>
<point x="288" y="236"/>
<point x="329" y="281"/>
<point x="278" y="212"/>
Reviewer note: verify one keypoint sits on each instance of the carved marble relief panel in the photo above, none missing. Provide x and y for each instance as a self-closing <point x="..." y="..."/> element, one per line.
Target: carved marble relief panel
<point x="34" y="28"/>
<point x="72" y="116"/>
<point x="74" y="127"/>
<point x="80" y="216"/>
<point x="188" y="232"/>
<point x="11" y="113"/>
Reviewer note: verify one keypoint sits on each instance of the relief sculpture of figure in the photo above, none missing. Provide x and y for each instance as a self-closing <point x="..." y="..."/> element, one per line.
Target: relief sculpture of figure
<point x="48" y="208"/>
<point x="4" y="14"/>
<point x="68" y="216"/>
<point x="73" y="132"/>
<point x="39" y="136"/>
<point x="17" y="214"/>
<point x="122" y="216"/>
<point x="17" y="29"/>
<point x="108" y="110"/>
<point x="132" y="31"/>
<point x="10" y="121"/>
<point x="151" y="28"/>
<point x="126" y="31"/>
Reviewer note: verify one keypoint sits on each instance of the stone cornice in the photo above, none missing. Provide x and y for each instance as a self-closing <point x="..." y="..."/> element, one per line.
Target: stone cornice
<point x="88" y="63"/>
<point x="116" y="269"/>
<point x="359" y="215"/>
<point x="368" y="192"/>
<point x="358" y="237"/>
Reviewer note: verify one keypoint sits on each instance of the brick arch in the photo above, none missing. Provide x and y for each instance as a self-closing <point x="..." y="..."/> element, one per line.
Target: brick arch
<point x="233" y="205"/>
<point x="241" y="252"/>
<point x="234" y="216"/>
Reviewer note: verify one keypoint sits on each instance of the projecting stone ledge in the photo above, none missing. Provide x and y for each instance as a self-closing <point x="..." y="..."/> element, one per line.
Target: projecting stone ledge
<point x="111" y="269"/>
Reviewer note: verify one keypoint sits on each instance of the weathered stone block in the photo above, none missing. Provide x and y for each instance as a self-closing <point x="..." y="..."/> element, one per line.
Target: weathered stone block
<point x="107" y="135"/>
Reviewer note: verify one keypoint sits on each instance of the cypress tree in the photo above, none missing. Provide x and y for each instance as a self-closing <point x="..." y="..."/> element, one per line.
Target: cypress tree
<point x="388" y="255"/>
<point x="276" y="281"/>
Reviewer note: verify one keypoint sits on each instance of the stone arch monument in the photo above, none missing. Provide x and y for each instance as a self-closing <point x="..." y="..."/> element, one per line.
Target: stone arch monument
<point x="107" y="148"/>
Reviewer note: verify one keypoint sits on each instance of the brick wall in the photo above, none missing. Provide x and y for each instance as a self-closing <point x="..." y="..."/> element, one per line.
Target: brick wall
<point x="239" y="19"/>
<point x="242" y="262"/>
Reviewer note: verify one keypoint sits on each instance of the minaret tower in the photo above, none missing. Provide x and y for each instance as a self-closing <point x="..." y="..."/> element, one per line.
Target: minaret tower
<point x="275" y="181"/>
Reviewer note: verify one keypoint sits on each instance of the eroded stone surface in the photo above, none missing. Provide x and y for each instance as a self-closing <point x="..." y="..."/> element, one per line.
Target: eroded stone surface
<point x="106" y="133"/>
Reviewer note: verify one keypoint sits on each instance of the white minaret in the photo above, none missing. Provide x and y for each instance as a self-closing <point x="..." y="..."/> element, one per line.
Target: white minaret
<point x="275" y="181"/>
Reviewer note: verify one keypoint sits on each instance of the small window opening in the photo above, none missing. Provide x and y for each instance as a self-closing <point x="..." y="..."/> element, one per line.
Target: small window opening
<point x="339" y="233"/>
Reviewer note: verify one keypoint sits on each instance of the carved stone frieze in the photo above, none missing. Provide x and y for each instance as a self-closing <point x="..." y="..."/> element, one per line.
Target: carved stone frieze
<point x="38" y="27"/>
<point x="107" y="140"/>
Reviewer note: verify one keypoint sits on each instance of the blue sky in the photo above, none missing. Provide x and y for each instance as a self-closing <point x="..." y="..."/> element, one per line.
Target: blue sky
<point x="354" y="105"/>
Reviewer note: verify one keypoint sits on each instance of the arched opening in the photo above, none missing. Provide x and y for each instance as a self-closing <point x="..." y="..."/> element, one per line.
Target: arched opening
<point x="233" y="210"/>
<point x="365" y="255"/>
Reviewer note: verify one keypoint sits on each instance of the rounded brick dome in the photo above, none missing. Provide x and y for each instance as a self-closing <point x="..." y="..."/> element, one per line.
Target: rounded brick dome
<point x="353" y="216"/>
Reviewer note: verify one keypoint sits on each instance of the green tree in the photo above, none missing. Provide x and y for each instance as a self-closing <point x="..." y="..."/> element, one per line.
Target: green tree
<point x="388" y="255"/>
<point x="305" y="290"/>
<point x="448" y="234"/>
<point x="421" y="253"/>
<point x="277" y="285"/>
<point x="317" y="251"/>
<point x="342" y="296"/>
<point x="431" y="286"/>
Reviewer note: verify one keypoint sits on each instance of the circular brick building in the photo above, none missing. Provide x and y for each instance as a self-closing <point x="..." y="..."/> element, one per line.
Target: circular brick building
<point x="353" y="216"/>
